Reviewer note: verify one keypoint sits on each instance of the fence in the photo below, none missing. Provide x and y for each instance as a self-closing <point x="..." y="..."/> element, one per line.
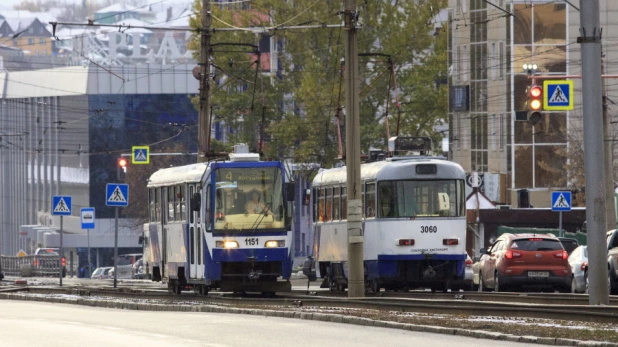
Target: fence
<point x="31" y="265"/>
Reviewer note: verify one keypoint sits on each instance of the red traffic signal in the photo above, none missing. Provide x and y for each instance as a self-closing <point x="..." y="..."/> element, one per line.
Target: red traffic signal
<point x="122" y="162"/>
<point x="536" y="92"/>
<point x="64" y="261"/>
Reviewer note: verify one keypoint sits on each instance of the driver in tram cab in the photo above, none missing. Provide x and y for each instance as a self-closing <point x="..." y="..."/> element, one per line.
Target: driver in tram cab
<point x="255" y="205"/>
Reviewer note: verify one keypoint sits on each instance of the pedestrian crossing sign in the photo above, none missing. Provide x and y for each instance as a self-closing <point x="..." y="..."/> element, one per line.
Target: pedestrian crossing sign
<point x="61" y="205"/>
<point x="117" y="195"/>
<point x="557" y="95"/>
<point x="561" y="201"/>
<point x="140" y="155"/>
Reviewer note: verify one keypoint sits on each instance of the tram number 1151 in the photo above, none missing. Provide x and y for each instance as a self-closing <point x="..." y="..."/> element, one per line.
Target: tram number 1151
<point x="251" y="241"/>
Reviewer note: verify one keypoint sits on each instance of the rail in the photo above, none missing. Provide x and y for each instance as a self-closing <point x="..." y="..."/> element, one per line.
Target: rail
<point x="43" y="265"/>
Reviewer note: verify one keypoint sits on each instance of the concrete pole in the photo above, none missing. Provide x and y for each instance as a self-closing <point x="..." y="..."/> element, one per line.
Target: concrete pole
<point x="115" y="247"/>
<point x="356" y="272"/>
<point x="590" y="40"/>
<point x="89" y="264"/>
<point x="204" y="115"/>
<point x="610" y="203"/>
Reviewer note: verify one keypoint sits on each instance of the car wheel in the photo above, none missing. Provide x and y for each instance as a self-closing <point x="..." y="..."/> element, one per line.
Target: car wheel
<point x="496" y="283"/>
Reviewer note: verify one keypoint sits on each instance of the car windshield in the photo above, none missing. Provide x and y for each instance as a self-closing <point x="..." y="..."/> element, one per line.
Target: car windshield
<point x="569" y="245"/>
<point x="249" y="199"/>
<point x="536" y="244"/>
<point x="106" y="271"/>
<point x="97" y="272"/>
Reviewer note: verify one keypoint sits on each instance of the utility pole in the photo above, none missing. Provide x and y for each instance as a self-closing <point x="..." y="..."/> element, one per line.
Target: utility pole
<point x="204" y="116"/>
<point x="610" y="203"/>
<point x="590" y="41"/>
<point x="356" y="272"/>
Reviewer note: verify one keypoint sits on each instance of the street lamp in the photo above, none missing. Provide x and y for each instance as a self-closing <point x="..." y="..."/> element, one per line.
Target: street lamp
<point x="531" y="69"/>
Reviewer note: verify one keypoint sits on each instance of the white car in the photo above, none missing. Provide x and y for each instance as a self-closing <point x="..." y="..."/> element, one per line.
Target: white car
<point x="467" y="283"/>
<point x="101" y="273"/>
<point x="578" y="260"/>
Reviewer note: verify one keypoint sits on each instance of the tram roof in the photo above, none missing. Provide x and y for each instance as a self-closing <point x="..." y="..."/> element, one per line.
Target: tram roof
<point x="392" y="170"/>
<point x="191" y="173"/>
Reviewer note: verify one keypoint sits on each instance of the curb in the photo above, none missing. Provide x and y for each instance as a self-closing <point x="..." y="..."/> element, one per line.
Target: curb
<point x="324" y="317"/>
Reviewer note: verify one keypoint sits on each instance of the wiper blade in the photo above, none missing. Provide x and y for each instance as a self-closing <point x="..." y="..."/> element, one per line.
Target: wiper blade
<point x="263" y="213"/>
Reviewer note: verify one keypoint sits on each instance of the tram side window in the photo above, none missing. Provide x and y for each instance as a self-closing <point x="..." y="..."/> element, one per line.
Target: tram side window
<point x="321" y="205"/>
<point x="183" y="204"/>
<point x="314" y="196"/>
<point x="192" y="250"/>
<point x="208" y="209"/>
<point x="157" y="204"/>
<point x="370" y="200"/>
<point x="170" y="203"/>
<point x="344" y="204"/>
<point x="336" y="206"/>
<point x="189" y="210"/>
<point x="151" y="204"/>
<point x="199" y="246"/>
<point x="328" y="216"/>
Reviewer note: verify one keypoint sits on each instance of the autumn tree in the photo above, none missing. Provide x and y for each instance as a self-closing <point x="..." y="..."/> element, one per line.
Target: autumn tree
<point x="299" y="101"/>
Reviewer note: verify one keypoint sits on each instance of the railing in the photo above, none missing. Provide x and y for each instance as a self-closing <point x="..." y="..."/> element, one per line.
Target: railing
<point x="31" y="265"/>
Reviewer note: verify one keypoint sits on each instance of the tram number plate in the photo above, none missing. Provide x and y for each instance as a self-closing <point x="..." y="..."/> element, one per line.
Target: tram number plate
<point x="251" y="241"/>
<point x="538" y="274"/>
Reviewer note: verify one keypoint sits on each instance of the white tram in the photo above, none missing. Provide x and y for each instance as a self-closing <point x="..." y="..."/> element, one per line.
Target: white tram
<point x="414" y="223"/>
<point x="234" y="233"/>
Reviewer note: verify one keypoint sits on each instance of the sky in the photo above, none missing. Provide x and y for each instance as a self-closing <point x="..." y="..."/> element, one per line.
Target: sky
<point x="8" y="4"/>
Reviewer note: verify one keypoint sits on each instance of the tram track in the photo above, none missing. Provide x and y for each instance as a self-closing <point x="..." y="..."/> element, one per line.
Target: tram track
<point x="572" y="310"/>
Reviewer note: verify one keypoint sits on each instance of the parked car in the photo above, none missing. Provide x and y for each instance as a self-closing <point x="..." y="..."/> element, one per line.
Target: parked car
<point x="42" y="261"/>
<point x="578" y="260"/>
<point x="468" y="281"/>
<point x="101" y="273"/>
<point x="612" y="260"/>
<point x="568" y="244"/>
<point x="524" y="261"/>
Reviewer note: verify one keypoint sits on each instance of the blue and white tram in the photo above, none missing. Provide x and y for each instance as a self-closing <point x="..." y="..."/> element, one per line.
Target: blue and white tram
<point x="414" y="224"/>
<point x="243" y="242"/>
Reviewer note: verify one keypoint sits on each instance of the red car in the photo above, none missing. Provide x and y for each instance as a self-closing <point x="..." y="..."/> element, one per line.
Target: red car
<point x="525" y="261"/>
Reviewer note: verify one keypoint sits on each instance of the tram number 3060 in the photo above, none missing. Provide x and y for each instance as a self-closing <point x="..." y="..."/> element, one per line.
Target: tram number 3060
<point x="429" y="229"/>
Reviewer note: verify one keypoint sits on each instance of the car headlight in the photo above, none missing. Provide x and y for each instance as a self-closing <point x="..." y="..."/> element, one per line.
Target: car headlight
<point x="226" y="244"/>
<point x="275" y="243"/>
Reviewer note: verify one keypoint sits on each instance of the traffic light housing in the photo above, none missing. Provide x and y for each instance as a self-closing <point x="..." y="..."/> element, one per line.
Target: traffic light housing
<point x="121" y="169"/>
<point x="535" y="104"/>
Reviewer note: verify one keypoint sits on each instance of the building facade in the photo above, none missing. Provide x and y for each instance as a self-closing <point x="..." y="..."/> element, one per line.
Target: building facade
<point x="489" y="133"/>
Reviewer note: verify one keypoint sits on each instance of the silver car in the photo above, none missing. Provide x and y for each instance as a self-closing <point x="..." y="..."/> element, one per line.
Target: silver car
<point x="578" y="260"/>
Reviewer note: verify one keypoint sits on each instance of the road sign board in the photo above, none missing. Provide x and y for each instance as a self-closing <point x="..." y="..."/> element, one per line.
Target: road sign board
<point x="21" y="253"/>
<point x="87" y="217"/>
<point x="558" y="95"/>
<point x="140" y="155"/>
<point x="561" y="201"/>
<point x="117" y="194"/>
<point x="61" y="205"/>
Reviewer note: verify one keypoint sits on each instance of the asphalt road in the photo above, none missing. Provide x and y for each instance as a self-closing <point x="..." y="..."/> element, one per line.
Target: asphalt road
<point x="44" y="324"/>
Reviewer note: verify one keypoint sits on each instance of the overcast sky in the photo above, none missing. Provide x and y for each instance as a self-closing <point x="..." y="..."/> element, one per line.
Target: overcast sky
<point x="8" y="4"/>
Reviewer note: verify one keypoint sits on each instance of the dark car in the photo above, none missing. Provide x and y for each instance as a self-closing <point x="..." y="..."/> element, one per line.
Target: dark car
<point x="568" y="244"/>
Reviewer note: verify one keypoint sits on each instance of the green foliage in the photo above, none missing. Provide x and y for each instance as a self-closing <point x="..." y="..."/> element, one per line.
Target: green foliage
<point x="300" y="101"/>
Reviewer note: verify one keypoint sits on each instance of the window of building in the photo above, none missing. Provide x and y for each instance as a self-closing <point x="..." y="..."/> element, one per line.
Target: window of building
<point x="465" y="62"/>
<point x="42" y="40"/>
<point x="493" y="132"/>
<point x="31" y="41"/>
<point x="501" y="132"/>
<point x="31" y="30"/>
<point x="458" y="69"/>
<point x="501" y="65"/>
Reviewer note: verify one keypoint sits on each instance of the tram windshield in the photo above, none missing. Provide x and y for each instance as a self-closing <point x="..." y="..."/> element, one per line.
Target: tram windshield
<point x="249" y="199"/>
<point x="421" y="198"/>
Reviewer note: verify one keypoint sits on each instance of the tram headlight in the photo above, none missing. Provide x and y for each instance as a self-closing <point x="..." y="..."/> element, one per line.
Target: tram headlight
<point x="275" y="243"/>
<point x="226" y="244"/>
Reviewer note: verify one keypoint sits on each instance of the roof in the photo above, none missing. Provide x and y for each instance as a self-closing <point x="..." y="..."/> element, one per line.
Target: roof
<point x="391" y="170"/>
<point x="117" y="8"/>
<point x="191" y="173"/>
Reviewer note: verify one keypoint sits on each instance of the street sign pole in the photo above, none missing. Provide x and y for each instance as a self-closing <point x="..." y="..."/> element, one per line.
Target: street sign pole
<point x="560" y="224"/>
<point x="61" y="251"/>
<point x="89" y="264"/>
<point x="116" y="247"/>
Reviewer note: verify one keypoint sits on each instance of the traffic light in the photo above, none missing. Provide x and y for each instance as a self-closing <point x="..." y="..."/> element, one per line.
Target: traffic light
<point x="535" y="104"/>
<point x="64" y="262"/>
<point x="121" y="169"/>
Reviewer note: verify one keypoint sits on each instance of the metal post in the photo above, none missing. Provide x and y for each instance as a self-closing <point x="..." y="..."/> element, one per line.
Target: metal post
<point x="89" y="264"/>
<point x="560" y="233"/>
<point x="115" y="247"/>
<point x="204" y="118"/>
<point x="590" y="40"/>
<point x="61" y="252"/>
<point x="356" y="273"/>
